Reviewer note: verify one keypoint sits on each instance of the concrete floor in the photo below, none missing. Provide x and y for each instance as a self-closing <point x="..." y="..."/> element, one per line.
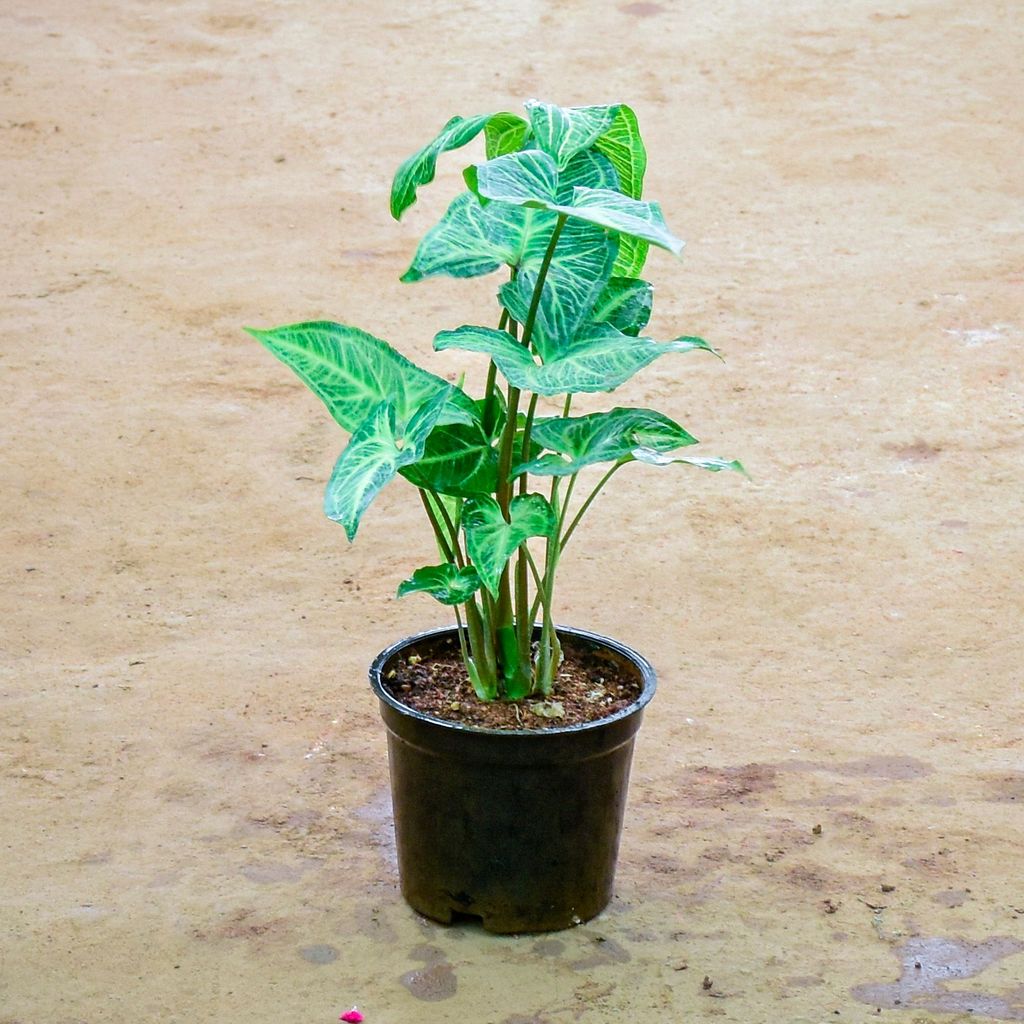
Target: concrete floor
<point x="192" y="770"/>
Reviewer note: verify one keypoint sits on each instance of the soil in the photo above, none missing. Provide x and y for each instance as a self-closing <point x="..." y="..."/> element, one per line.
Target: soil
<point x="193" y="773"/>
<point x="589" y="686"/>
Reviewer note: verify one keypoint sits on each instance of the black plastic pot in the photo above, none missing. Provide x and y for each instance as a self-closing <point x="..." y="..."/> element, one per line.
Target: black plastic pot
<point x="517" y="828"/>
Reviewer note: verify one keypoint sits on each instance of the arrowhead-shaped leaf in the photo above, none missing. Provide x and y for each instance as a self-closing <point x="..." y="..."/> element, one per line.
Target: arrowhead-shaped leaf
<point x="587" y="169"/>
<point x="599" y="359"/>
<point x="473" y="239"/>
<point x="612" y="436"/>
<point x="374" y="454"/>
<point x="581" y="265"/>
<point x="530" y="178"/>
<point x="656" y="458"/>
<point x="505" y="133"/>
<point x="626" y="216"/>
<point x="419" y="168"/>
<point x="463" y="243"/>
<point x="626" y="304"/>
<point x="446" y="583"/>
<point x="622" y="145"/>
<point x="562" y="132"/>
<point x="527" y="178"/>
<point x="457" y="460"/>
<point x="352" y="372"/>
<point x="491" y="541"/>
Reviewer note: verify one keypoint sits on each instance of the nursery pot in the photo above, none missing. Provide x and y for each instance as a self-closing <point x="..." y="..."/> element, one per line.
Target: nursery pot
<point x="517" y="828"/>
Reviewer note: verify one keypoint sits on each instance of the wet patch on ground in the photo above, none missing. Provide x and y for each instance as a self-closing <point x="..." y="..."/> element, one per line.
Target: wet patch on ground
<point x="435" y="980"/>
<point x="928" y="967"/>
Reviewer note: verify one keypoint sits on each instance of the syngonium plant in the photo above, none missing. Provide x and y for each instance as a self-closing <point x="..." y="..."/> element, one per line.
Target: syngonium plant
<point x="558" y="202"/>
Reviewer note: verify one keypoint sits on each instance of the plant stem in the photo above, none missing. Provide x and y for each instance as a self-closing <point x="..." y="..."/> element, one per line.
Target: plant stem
<point x="504" y="620"/>
<point x="453" y="530"/>
<point x="490" y="398"/>
<point x="583" y="508"/>
<point x="538" y="288"/>
<point x="462" y="635"/>
<point x="442" y="543"/>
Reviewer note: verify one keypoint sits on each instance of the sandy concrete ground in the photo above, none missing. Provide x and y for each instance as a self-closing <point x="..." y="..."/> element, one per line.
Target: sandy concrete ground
<point x="196" y="821"/>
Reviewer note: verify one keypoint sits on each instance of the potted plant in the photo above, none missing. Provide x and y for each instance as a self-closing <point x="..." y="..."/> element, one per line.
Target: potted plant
<point x="510" y="738"/>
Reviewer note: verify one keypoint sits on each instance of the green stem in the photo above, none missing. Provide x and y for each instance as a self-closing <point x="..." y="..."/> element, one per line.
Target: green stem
<point x="453" y="530"/>
<point x="538" y="288"/>
<point x="565" y="504"/>
<point x="583" y="508"/>
<point x="490" y="394"/>
<point x="462" y="635"/>
<point x="504" y="620"/>
<point x="442" y="543"/>
<point x="480" y="646"/>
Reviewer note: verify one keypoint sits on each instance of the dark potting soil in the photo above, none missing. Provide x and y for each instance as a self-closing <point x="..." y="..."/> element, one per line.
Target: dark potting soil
<point x="590" y="685"/>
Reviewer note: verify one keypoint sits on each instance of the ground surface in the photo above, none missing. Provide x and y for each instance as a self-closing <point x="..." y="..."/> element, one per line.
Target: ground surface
<point x="196" y="819"/>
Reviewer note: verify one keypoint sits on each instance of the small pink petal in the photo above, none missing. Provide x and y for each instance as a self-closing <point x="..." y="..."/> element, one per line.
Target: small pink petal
<point x="352" y="1017"/>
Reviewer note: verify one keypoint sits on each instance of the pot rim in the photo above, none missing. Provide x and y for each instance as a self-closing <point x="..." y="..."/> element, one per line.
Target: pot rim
<point x="643" y="666"/>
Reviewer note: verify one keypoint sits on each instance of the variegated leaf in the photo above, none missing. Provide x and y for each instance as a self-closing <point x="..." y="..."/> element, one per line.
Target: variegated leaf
<point x="626" y="304"/>
<point x="562" y="132"/>
<point x="373" y="456"/>
<point x="351" y="372"/>
<point x="627" y="216"/>
<point x="656" y="458"/>
<point x="505" y="133"/>
<point x="491" y="541"/>
<point x="622" y="145"/>
<point x="502" y="132"/>
<point x="611" y="436"/>
<point x="446" y="583"/>
<point x="473" y="239"/>
<point x="530" y="178"/>
<point x="589" y="169"/>
<point x="462" y="243"/>
<point x="581" y="265"/>
<point x="419" y="168"/>
<point x="599" y="359"/>
<point x="457" y="460"/>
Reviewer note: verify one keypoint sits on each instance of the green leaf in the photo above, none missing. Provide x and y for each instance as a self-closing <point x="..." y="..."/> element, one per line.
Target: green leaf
<point x="375" y="453"/>
<point x="419" y="168"/>
<point x="588" y="169"/>
<point x="626" y="304"/>
<point x="508" y="354"/>
<point x="463" y="243"/>
<point x="581" y="265"/>
<point x="505" y="133"/>
<point x="562" y="132"/>
<point x="457" y="460"/>
<point x="491" y="541"/>
<point x="622" y="145"/>
<point x="446" y="583"/>
<point x="530" y="178"/>
<point x="352" y="372"/>
<point x="656" y="458"/>
<point x="472" y="239"/>
<point x="599" y="359"/>
<point x="624" y="215"/>
<point x="611" y="436"/>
